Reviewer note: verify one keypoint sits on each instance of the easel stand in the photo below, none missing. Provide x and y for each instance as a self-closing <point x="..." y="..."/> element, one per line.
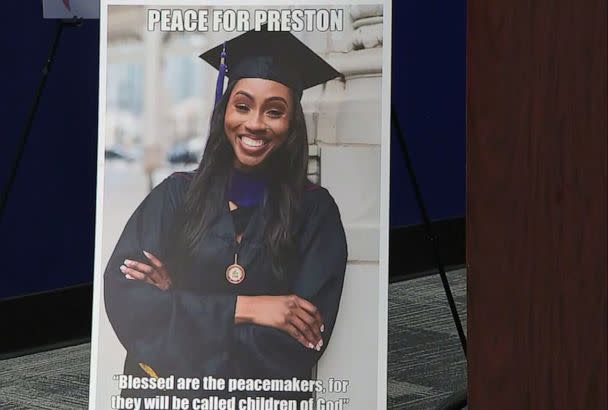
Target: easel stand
<point x="74" y="22"/>
<point x="459" y="399"/>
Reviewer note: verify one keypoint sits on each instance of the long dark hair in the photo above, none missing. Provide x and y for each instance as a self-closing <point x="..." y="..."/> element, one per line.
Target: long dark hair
<point x="287" y="168"/>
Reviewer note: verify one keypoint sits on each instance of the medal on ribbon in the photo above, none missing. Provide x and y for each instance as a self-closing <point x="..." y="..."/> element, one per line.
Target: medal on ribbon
<point x="235" y="273"/>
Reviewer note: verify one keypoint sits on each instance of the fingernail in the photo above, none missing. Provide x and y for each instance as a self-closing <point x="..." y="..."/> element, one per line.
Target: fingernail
<point x="129" y="276"/>
<point x="318" y="348"/>
<point x="311" y="346"/>
<point x="147" y="254"/>
<point x="321" y="343"/>
<point x="322" y="328"/>
<point x="123" y="268"/>
<point x="127" y="262"/>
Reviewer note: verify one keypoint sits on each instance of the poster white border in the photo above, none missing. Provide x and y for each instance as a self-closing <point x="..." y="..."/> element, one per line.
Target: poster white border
<point x="384" y="188"/>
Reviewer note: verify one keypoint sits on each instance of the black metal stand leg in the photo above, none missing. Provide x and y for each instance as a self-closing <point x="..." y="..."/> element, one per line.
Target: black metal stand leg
<point x="429" y="230"/>
<point x="21" y="143"/>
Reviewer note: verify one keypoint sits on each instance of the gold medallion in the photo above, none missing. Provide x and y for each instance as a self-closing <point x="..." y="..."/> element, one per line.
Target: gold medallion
<point x="235" y="273"/>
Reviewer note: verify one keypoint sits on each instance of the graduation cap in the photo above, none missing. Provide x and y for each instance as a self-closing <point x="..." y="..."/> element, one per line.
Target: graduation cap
<point x="272" y="55"/>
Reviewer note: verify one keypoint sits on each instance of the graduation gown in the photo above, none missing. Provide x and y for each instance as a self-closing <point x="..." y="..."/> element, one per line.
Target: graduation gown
<point x="189" y="330"/>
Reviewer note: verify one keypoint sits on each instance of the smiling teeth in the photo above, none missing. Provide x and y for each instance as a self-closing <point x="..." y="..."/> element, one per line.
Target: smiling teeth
<point x="251" y="142"/>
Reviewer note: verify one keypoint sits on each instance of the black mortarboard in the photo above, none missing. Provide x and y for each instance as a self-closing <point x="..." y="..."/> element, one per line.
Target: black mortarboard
<point x="272" y="55"/>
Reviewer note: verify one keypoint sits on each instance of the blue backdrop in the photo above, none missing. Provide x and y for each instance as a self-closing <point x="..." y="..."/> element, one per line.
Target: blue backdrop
<point x="47" y="233"/>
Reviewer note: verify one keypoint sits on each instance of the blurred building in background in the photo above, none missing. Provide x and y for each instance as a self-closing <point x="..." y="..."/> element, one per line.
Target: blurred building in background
<point x="160" y="94"/>
<point x="158" y="91"/>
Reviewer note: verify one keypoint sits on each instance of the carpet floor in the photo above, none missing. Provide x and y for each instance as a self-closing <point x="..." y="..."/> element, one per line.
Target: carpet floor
<point x="425" y="361"/>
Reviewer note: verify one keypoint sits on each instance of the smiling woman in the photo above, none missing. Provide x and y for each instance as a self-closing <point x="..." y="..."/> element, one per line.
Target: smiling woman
<point x="235" y="270"/>
<point x="257" y="119"/>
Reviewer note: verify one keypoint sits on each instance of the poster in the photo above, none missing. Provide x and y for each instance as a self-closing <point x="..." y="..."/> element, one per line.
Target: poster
<point x="241" y="256"/>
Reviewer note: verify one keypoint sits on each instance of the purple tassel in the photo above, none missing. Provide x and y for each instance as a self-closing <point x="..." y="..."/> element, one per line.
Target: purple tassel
<point x="219" y="87"/>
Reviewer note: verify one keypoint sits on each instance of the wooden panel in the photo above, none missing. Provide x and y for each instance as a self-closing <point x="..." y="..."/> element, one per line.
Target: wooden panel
<point x="536" y="204"/>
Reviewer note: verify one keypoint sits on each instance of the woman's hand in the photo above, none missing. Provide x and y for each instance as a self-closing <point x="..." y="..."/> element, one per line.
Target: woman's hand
<point x="292" y="314"/>
<point x="155" y="274"/>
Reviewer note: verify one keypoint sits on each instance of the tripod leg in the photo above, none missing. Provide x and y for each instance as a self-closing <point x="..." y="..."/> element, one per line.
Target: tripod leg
<point x="74" y="22"/>
<point x="30" y="118"/>
<point x="429" y="230"/>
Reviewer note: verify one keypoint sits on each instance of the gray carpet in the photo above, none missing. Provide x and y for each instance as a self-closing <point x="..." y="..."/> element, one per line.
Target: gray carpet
<point x="425" y="361"/>
<point x="54" y="380"/>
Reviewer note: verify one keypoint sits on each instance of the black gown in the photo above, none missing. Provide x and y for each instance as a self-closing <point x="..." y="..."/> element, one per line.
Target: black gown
<point x="189" y="330"/>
